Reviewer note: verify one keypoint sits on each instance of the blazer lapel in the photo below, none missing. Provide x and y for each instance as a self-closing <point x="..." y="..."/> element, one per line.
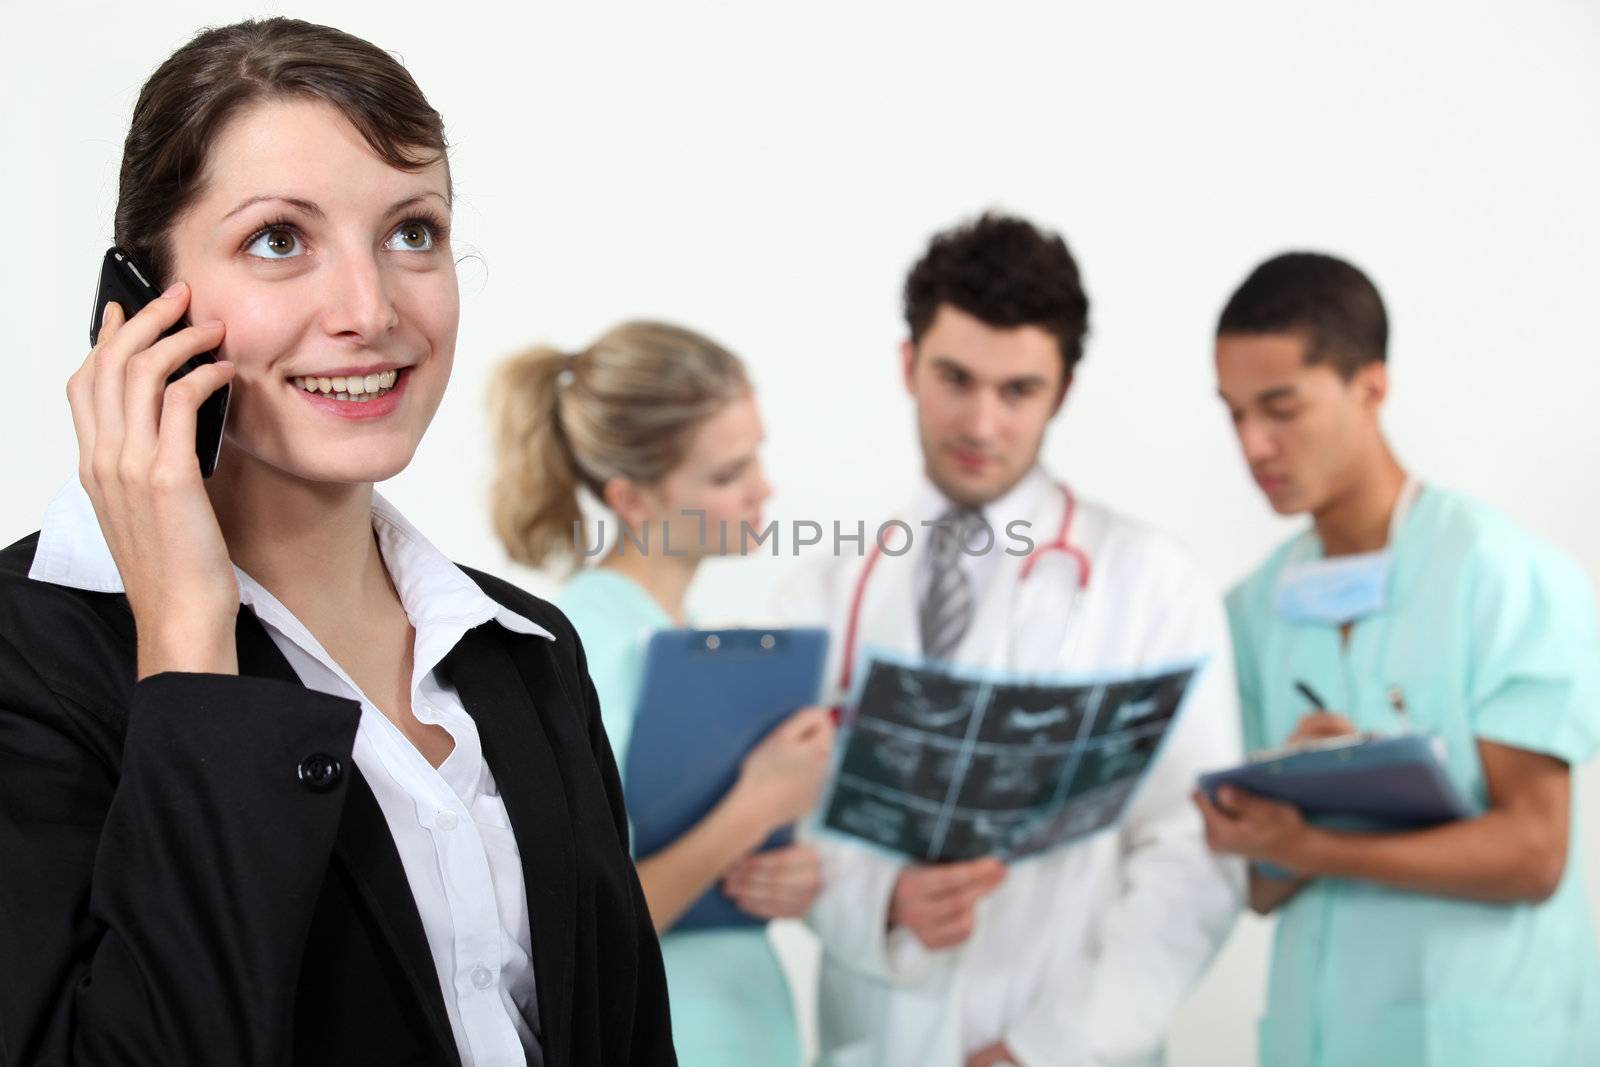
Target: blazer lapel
<point x="365" y="848"/>
<point x="520" y="753"/>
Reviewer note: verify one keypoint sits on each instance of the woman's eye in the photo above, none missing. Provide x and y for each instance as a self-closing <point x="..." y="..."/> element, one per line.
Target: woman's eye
<point x="414" y="236"/>
<point x="275" y="243"/>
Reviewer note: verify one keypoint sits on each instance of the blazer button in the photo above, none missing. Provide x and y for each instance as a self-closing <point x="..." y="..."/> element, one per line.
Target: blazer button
<point x="320" y="772"/>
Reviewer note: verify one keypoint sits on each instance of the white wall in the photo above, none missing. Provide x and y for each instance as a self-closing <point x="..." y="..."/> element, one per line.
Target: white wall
<point x="767" y="173"/>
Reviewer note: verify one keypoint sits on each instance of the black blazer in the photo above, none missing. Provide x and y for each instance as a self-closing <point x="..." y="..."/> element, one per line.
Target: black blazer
<point x="192" y="870"/>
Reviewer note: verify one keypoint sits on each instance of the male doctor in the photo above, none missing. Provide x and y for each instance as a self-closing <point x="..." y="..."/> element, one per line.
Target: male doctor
<point x="1082" y="955"/>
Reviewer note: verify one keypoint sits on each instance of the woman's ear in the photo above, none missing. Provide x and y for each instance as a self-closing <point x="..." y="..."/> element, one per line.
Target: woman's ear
<point x="626" y="501"/>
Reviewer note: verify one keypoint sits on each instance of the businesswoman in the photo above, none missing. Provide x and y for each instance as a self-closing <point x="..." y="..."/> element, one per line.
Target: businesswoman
<point x="278" y="782"/>
<point x="661" y="425"/>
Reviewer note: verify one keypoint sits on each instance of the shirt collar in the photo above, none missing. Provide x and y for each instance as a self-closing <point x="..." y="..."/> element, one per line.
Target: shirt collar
<point x="438" y="596"/>
<point x="1018" y="503"/>
<point x="71" y="550"/>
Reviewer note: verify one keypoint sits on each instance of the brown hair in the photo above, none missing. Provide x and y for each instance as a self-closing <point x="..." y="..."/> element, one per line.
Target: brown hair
<point x="222" y="71"/>
<point x="622" y="408"/>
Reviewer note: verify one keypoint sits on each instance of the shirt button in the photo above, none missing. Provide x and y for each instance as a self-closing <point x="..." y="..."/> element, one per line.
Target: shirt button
<point x="482" y="977"/>
<point x="444" y="820"/>
<point x="320" y="772"/>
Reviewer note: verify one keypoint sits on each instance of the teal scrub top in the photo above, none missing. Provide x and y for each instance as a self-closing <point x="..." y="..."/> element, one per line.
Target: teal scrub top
<point x="730" y="1000"/>
<point x="1489" y="634"/>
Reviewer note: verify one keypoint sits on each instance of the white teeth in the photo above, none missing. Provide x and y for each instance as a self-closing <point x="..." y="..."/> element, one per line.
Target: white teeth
<point x="350" y="388"/>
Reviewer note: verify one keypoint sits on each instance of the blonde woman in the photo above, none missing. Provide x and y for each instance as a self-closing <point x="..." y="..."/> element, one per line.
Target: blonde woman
<point x="661" y="425"/>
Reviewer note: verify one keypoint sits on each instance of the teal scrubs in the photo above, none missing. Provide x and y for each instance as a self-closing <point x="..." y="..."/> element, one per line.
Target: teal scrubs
<point x="730" y="1000"/>
<point x="1488" y="634"/>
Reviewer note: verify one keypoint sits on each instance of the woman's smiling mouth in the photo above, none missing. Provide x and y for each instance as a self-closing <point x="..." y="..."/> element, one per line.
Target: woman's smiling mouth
<point x="354" y="388"/>
<point x="355" y="396"/>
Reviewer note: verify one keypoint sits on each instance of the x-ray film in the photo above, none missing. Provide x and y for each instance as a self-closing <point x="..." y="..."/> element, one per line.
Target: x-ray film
<point x="941" y="763"/>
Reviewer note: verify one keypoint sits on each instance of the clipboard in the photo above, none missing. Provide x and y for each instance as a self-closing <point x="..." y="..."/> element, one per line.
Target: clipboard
<point x="1385" y="783"/>
<point x="707" y="698"/>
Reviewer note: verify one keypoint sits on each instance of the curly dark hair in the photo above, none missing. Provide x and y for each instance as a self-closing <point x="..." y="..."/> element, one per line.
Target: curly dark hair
<point x="1006" y="272"/>
<point x="1329" y="302"/>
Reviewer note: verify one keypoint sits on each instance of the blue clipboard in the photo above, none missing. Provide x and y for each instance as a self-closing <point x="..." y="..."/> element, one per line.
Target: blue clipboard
<point x="707" y="698"/>
<point x="1390" y="783"/>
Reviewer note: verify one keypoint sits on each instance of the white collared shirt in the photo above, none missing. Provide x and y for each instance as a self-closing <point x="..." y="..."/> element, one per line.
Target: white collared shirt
<point x="449" y="824"/>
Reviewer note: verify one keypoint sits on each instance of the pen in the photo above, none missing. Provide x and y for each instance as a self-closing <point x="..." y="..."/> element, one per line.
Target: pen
<point x="1397" y="701"/>
<point x="1311" y="695"/>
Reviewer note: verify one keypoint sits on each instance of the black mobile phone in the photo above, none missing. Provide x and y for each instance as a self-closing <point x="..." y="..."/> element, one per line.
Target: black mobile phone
<point x="129" y="286"/>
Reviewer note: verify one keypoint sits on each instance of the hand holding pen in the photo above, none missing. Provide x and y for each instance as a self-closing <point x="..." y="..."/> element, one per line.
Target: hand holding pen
<point x="1319" y="724"/>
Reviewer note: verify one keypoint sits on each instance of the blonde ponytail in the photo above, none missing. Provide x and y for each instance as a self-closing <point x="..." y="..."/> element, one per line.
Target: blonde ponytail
<point x="534" y="501"/>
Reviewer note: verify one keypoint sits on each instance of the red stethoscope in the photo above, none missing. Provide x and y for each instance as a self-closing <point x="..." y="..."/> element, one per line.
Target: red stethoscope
<point x="1062" y="544"/>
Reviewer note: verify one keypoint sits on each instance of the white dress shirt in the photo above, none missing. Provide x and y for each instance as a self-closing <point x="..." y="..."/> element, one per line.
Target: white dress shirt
<point x="449" y="823"/>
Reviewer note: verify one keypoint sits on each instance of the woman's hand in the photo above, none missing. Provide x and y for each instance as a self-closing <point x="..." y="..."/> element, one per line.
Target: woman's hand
<point x="782" y="776"/>
<point x="136" y="459"/>
<point x="778" y="785"/>
<point x="780" y="884"/>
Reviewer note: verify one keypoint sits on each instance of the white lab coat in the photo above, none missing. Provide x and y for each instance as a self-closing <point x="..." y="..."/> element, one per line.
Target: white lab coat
<point x="1083" y="955"/>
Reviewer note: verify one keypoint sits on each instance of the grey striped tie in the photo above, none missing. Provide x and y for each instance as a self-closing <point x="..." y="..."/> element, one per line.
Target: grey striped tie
<point x="947" y="604"/>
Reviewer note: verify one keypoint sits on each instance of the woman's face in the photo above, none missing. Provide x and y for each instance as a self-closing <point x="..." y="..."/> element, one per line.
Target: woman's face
<point x="720" y="475"/>
<point x="332" y="275"/>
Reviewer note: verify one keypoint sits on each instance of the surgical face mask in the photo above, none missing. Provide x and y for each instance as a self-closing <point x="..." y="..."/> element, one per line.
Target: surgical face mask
<point x="1343" y="589"/>
<point x="1334" y="591"/>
